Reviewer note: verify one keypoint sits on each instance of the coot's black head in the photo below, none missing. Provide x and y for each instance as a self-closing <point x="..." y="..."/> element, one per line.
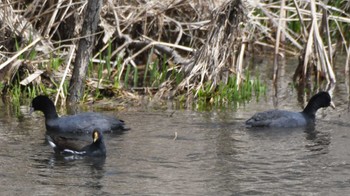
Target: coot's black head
<point x="97" y="148"/>
<point x="323" y="99"/>
<point x="320" y="100"/>
<point x="97" y="136"/>
<point x="44" y="104"/>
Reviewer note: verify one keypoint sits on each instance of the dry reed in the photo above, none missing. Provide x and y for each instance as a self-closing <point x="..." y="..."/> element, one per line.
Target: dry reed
<point x="205" y="40"/>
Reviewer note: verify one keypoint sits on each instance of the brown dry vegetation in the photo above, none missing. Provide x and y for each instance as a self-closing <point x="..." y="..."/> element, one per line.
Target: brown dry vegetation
<point x="203" y="40"/>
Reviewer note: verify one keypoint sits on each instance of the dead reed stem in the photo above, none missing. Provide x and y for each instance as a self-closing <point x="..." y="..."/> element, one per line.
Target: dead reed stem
<point x="278" y="39"/>
<point x="206" y="41"/>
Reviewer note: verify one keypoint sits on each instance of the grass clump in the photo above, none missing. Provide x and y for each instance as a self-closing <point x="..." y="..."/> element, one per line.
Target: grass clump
<point x="230" y="93"/>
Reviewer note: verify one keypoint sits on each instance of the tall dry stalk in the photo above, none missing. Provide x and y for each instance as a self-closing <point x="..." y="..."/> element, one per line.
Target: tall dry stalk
<point x="281" y="24"/>
<point x="318" y="47"/>
<point x="206" y="40"/>
<point x="220" y="54"/>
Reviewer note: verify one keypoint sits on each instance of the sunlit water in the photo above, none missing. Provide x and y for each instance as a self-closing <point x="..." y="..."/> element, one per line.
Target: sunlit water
<point x="184" y="152"/>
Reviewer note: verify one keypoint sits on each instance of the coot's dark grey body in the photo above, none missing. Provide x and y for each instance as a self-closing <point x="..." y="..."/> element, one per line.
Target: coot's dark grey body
<point x="79" y="123"/>
<point x="283" y="118"/>
<point x="84" y="122"/>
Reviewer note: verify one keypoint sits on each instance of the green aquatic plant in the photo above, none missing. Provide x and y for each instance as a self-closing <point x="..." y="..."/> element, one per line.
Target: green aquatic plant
<point x="152" y="74"/>
<point x="136" y="76"/>
<point x="90" y="69"/>
<point x="229" y="93"/>
<point x="108" y="58"/>
<point x="17" y="92"/>
<point x="126" y="78"/>
<point x="55" y="62"/>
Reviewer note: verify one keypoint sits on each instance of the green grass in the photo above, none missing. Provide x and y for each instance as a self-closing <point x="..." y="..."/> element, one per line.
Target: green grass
<point x="17" y="92"/>
<point x="126" y="77"/>
<point x="55" y="63"/>
<point x="153" y="74"/>
<point x="229" y="94"/>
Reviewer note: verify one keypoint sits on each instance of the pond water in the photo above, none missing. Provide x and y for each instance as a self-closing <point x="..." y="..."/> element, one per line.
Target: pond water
<point x="186" y="152"/>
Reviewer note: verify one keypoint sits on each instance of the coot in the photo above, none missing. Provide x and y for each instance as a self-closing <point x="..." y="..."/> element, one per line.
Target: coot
<point x="78" y="123"/>
<point x="67" y="146"/>
<point x="283" y="118"/>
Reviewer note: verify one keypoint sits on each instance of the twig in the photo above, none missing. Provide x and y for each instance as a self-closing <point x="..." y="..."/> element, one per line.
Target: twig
<point x="320" y="47"/>
<point x="175" y="136"/>
<point x="278" y="39"/>
<point x="290" y="37"/>
<point x="31" y="77"/>
<point x="71" y="54"/>
<point x="347" y="63"/>
<point x="53" y="17"/>
<point x="19" y="53"/>
<point x="301" y="20"/>
<point x="62" y="17"/>
<point x="239" y="66"/>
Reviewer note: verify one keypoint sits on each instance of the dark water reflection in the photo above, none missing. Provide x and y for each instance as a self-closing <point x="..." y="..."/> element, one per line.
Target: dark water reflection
<point x="213" y="154"/>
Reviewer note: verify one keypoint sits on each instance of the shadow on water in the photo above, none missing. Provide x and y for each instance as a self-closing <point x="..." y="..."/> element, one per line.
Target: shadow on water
<point x="319" y="140"/>
<point x="84" y="174"/>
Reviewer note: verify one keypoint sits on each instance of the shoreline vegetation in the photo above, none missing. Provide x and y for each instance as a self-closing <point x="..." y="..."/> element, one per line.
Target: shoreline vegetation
<point x="189" y="51"/>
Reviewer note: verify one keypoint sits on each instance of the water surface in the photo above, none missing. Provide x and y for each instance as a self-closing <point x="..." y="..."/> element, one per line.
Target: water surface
<point x="186" y="152"/>
<point x="213" y="153"/>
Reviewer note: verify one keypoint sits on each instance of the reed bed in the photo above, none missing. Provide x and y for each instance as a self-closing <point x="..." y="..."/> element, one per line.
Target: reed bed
<point x="168" y="48"/>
